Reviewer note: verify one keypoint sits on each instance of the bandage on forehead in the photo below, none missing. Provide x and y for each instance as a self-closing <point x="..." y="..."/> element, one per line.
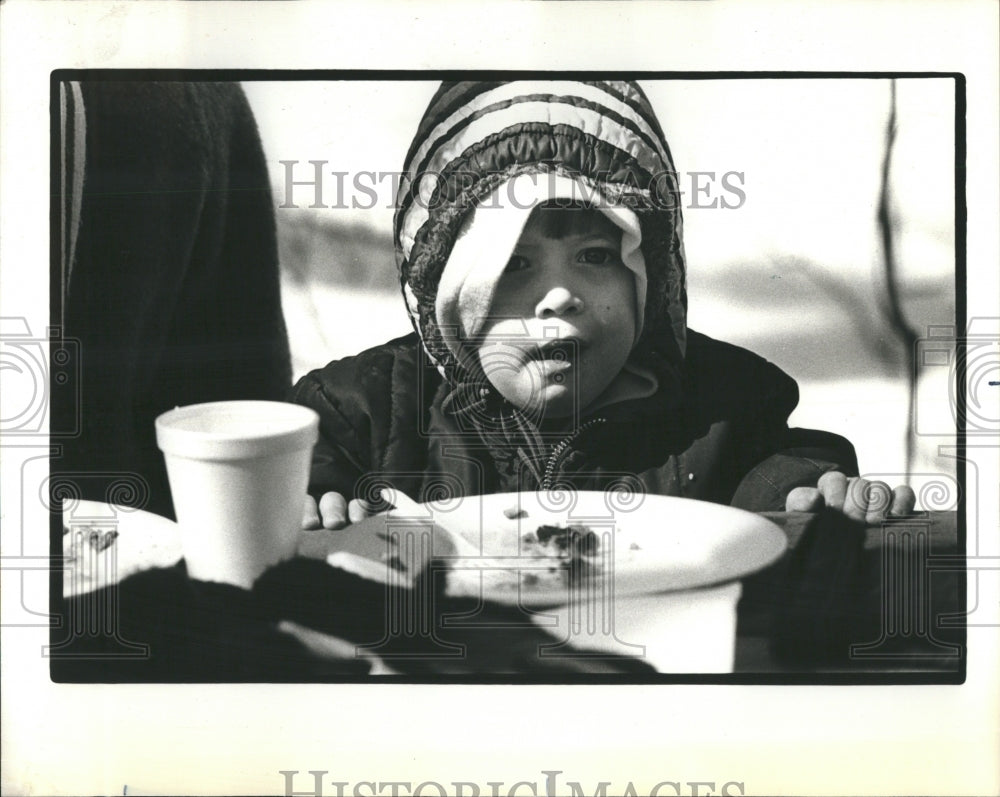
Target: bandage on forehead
<point x="487" y="239"/>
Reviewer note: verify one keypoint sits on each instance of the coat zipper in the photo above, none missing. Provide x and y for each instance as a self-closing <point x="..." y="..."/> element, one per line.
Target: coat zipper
<point x="561" y="447"/>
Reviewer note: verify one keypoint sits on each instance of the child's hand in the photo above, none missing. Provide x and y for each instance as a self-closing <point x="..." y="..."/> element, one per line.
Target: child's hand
<point x="333" y="512"/>
<point x="859" y="499"/>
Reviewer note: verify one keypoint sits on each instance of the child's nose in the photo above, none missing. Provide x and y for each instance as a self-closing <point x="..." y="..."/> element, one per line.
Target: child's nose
<point x="558" y="301"/>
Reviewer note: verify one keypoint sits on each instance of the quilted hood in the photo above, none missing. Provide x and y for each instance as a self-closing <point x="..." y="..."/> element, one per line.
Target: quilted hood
<point x="601" y="137"/>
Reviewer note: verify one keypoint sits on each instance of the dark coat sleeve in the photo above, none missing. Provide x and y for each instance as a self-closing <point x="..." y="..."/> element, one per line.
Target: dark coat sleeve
<point x="369" y="420"/>
<point x="803" y="456"/>
<point x="744" y="453"/>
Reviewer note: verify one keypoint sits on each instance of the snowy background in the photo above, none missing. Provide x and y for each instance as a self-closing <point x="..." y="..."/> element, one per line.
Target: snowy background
<point x="795" y="274"/>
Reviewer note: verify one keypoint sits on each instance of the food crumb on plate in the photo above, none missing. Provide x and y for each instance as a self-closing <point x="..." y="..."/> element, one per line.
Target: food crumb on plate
<point x="514" y="512"/>
<point x="101" y="542"/>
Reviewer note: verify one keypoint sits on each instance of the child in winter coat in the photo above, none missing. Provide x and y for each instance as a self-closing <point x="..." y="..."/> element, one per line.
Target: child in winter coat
<point x="539" y="244"/>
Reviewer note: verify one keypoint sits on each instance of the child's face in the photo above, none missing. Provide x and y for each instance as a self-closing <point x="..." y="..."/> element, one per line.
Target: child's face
<point x="562" y="322"/>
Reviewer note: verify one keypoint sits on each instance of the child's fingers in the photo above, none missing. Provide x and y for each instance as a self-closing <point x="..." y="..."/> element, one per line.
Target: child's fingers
<point x="833" y="486"/>
<point x="310" y="515"/>
<point x="804" y="499"/>
<point x="879" y="501"/>
<point x="904" y="501"/>
<point x="358" y="509"/>
<point x="856" y="498"/>
<point x="333" y="510"/>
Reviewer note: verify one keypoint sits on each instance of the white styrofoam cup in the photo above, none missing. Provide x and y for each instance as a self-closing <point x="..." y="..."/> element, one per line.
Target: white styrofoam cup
<point x="238" y="474"/>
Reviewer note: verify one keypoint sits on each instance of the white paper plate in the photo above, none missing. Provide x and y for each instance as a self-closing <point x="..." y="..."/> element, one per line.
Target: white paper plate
<point x="105" y="543"/>
<point x="650" y="543"/>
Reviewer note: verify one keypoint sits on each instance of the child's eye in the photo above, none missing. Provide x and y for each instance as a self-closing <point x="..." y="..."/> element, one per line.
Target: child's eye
<point x="598" y="256"/>
<point x="516" y="263"/>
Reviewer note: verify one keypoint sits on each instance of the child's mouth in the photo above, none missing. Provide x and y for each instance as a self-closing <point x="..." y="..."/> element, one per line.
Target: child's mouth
<point x="558" y="350"/>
